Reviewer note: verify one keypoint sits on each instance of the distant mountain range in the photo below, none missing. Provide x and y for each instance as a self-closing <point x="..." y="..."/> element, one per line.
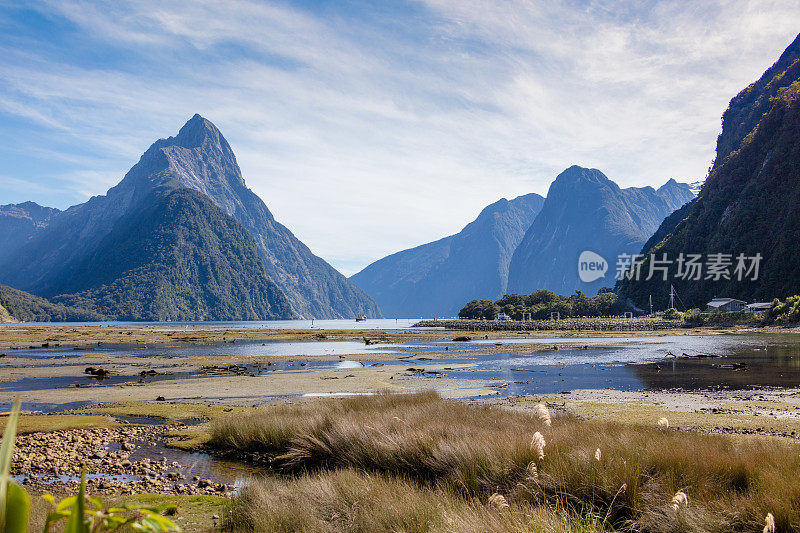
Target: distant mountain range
<point x="522" y="245"/>
<point x="749" y="204"/>
<point x="18" y="224"/>
<point x="585" y="210"/>
<point x="437" y="278"/>
<point x="181" y="237"/>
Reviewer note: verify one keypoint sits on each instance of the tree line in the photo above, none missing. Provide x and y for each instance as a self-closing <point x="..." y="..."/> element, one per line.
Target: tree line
<point x="542" y="303"/>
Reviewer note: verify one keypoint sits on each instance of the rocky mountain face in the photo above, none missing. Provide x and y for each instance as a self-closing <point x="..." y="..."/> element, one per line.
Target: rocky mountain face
<point x="584" y="210"/>
<point x="198" y="159"/>
<point x="18" y="224"/>
<point x="437" y="278"/>
<point x="750" y="203"/>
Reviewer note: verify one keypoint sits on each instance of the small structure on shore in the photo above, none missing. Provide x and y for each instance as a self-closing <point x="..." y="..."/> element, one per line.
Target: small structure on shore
<point x="758" y="307"/>
<point x="726" y="304"/>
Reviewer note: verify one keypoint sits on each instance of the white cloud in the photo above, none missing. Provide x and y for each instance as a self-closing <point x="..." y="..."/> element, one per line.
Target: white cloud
<point x="367" y="133"/>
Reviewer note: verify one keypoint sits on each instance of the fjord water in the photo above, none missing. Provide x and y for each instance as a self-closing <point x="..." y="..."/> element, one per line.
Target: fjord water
<point x="689" y="362"/>
<point x="341" y="324"/>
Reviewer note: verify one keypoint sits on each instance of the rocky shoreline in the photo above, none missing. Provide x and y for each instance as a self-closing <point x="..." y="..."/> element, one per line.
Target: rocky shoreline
<point x="52" y="462"/>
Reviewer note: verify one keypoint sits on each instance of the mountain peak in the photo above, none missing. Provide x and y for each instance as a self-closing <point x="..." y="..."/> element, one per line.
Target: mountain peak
<point x="197" y="130"/>
<point x="577" y="173"/>
<point x="672" y="184"/>
<point x="577" y="178"/>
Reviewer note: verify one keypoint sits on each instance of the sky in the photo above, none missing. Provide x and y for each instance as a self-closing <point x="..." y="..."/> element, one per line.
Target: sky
<point x="370" y="127"/>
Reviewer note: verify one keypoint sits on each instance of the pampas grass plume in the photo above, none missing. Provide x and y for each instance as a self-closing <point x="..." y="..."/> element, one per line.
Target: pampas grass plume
<point x="680" y="499"/>
<point x="538" y="444"/>
<point x="533" y="472"/>
<point x="498" y="501"/>
<point x="769" y="523"/>
<point x="543" y="414"/>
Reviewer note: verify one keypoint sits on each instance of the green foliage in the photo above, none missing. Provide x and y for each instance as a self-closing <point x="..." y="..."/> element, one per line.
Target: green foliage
<point x="541" y="303"/>
<point x="181" y="258"/>
<point x="784" y="312"/>
<point x="84" y="515"/>
<point x="693" y="317"/>
<point x="15" y="503"/>
<point x="18" y="507"/>
<point x="26" y="307"/>
<point x="735" y="317"/>
<point x="480" y="309"/>
<point x="672" y="314"/>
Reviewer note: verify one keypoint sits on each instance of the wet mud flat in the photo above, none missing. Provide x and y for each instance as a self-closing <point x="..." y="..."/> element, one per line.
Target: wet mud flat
<point x="251" y="372"/>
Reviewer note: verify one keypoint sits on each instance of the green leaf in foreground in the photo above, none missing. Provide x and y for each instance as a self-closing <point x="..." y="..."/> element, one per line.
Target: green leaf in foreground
<point x="15" y="503"/>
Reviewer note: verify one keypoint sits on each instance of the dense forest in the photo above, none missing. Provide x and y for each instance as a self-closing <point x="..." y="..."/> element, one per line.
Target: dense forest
<point x="20" y="306"/>
<point x="541" y="303"/>
<point x="180" y="258"/>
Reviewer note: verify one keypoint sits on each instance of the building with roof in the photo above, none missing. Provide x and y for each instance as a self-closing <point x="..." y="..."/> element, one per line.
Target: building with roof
<point x="726" y="304"/>
<point x="758" y="307"/>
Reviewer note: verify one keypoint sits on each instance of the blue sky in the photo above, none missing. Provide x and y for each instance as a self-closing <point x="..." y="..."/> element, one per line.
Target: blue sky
<point x="369" y="127"/>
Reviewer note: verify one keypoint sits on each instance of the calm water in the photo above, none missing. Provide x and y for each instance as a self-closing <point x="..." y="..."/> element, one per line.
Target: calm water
<point x="650" y="363"/>
<point x="373" y="323"/>
<point x="220" y="348"/>
<point x="635" y="363"/>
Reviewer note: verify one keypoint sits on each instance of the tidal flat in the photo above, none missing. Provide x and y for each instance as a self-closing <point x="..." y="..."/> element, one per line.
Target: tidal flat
<point x="143" y="411"/>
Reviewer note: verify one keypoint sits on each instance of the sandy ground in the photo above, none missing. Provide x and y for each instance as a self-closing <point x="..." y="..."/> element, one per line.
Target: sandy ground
<point x="247" y="390"/>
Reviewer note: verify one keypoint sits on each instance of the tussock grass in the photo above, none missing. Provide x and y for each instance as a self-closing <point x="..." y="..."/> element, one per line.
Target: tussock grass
<point x="346" y="500"/>
<point x="469" y="453"/>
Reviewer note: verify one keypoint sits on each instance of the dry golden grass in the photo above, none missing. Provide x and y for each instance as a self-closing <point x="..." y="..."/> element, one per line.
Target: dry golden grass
<point x="347" y="500"/>
<point x="466" y="454"/>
